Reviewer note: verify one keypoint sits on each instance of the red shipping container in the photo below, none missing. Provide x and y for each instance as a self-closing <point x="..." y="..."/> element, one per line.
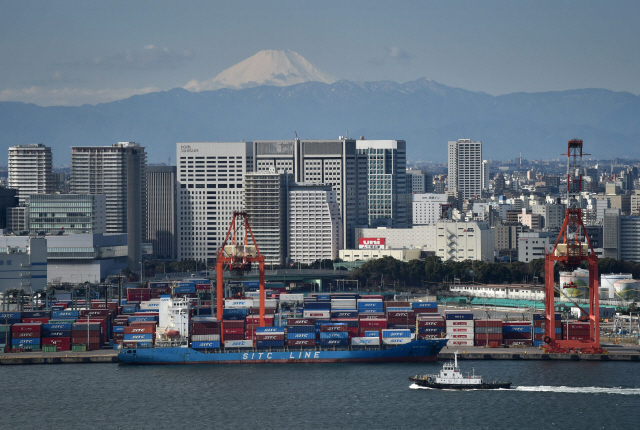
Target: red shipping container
<point x="426" y="311"/>
<point x="373" y="323"/>
<point x="372" y="316"/>
<point x="138" y="330"/>
<point x="232" y="331"/>
<point x="397" y="305"/>
<point x="300" y="321"/>
<point x="233" y="336"/>
<point x="56" y="341"/>
<point x="232" y="324"/>
<point x="35" y="320"/>
<point x="518" y="342"/>
<point x="328" y="327"/>
<point x="83" y="340"/>
<point x="488" y="323"/>
<point x="26" y="335"/>
<point x="301" y="342"/>
<point x="583" y="337"/>
<point x="401" y="314"/>
<point x="20" y="328"/>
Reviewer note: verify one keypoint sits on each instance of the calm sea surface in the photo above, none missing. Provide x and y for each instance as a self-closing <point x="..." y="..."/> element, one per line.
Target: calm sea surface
<point x="567" y="395"/>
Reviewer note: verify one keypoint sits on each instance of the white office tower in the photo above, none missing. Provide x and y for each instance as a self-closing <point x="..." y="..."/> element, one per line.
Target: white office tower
<point x="315" y="227"/>
<point x="427" y="208"/>
<point x="118" y="172"/>
<point x="458" y="241"/>
<point x="265" y="196"/>
<point x="329" y="162"/>
<point x="388" y="200"/>
<point x="209" y="189"/>
<point x="30" y="170"/>
<point x="465" y="169"/>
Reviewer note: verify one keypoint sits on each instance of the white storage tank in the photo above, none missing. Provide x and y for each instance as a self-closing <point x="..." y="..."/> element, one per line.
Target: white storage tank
<point x="627" y="289"/>
<point x="576" y="283"/>
<point x="606" y="290"/>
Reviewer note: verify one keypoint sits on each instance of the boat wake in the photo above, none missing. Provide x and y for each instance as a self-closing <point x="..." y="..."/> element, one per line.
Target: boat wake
<point x="580" y="390"/>
<point x="558" y="389"/>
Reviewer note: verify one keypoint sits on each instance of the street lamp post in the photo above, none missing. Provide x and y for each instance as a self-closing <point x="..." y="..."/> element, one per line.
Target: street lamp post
<point x="142" y="271"/>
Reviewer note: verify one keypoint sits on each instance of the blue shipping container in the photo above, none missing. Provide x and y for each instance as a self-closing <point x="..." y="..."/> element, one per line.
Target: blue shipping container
<point x="292" y="335"/>
<point x="138" y="337"/>
<point x="301" y="329"/>
<point x="334" y="335"/>
<point x="324" y="297"/>
<point x="118" y="329"/>
<point x="242" y="312"/>
<point x="185" y="290"/>
<point x="334" y="342"/>
<point x="396" y="333"/>
<point x="36" y="314"/>
<point x="10" y="315"/>
<point x="372" y="333"/>
<point x="370" y="305"/>
<point x="458" y="316"/>
<point x="424" y="305"/>
<point x="56" y="333"/>
<point x="65" y="314"/>
<point x="279" y="330"/>
<point x="269" y="343"/>
<point x="516" y="329"/>
<point x="317" y="306"/>
<point x="215" y="344"/>
<point x="56" y="326"/>
<point x="25" y="341"/>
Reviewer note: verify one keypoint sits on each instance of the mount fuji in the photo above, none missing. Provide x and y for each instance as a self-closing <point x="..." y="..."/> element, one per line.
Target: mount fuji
<point x="273" y="68"/>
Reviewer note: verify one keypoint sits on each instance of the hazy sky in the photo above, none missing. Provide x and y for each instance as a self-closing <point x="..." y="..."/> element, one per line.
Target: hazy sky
<point x="74" y="52"/>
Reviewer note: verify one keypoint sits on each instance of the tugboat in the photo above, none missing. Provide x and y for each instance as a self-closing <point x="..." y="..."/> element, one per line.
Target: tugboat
<point x="450" y="378"/>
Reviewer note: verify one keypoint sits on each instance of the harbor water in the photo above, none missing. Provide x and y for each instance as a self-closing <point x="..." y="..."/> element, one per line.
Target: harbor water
<point x="546" y="394"/>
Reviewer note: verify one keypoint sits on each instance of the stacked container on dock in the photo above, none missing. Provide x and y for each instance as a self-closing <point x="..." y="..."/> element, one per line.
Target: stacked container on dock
<point x="539" y="321"/>
<point x="26" y="336"/>
<point x="431" y="327"/>
<point x="5" y="337"/>
<point x="517" y="333"/>
<point x="139" y="335"/>
<point x="205" y="334"/>
<point x="301" y="333"/>
<point x="395" y="336"/>
<point x="488" y="333"/>
<point x="368" y="305"/>
<point x="334" y="335"/>
<point x="370" y="322"/>
<point x="10" y="318"/>
<point x="577" y="331"/>
<point x="41" y="317"/>
<point x="425" y="307"/>
<point x="253" y="322"/>
<point x="56" y="337"/>
<point x="233" y="330"/>
<point x="119" y="323"/>
<point x="86" y="336"/>
<point x="270" y="337"/>
<point x="460" y="328"/>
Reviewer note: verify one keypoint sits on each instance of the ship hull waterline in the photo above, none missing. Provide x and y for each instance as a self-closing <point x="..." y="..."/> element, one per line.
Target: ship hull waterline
<point x="416" y="351"/>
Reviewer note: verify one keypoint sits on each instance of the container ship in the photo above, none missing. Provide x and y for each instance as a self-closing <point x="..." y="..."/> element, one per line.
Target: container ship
<point x="336" y="328"/>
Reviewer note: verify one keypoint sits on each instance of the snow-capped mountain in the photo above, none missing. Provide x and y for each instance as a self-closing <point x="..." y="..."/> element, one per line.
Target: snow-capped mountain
<point x="274" y="68"/>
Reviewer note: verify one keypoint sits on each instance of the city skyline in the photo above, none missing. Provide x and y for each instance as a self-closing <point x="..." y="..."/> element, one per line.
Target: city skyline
<point x="58" y="54"/>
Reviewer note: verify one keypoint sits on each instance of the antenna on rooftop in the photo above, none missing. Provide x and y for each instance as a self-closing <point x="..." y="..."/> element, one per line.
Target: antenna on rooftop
<point x="296" y="133"/>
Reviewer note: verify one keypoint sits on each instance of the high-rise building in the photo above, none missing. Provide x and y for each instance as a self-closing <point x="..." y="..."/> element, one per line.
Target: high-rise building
<point x="8" y="199"/>
<point x="161" y="211"/>
<point x="30" y="170"/>
<point x="118" y="172"/>
<point x="68" y="213"/>
<point x="611" y="228"/>
<point x="209" y="189"/>
<point x="314" y="223"/>
<point x="330" y="162"/>
<point x="388" y="200"/>
<point x="419" y="181"/>
<point x="265" y="196"/>
<point x="465" y="169"/>
<point x="427" y="208"/>
<point x="486" y="177"/>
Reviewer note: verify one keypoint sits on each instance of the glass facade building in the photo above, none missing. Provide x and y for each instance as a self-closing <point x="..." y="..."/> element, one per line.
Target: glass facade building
<point x="68" y="213"/>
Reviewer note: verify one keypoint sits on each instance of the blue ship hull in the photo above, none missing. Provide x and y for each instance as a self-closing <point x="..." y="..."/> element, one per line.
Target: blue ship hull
<point x="415" y="351"/>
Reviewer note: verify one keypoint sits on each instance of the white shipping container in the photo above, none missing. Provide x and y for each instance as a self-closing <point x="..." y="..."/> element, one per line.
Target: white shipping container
<point x="152" y="304"/>
<point x="343" y="303"/>
<point x="458" y="329"/>
<point x="204" y="337"/>
<point x="238" y="304"/>
<point x="460" y="342"/>
<point x="291" y="298"/>
<point x="457" y="336"/>
<point x="365" y="341"/>
<point x="317" y="314"/>
<point x="396" y="340"/>
<point x="238" y="343"/>
<point x="460" y="323"/>
<point x="369" y="300"/>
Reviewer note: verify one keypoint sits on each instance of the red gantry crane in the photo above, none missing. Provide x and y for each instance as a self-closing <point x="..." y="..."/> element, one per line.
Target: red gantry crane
<point x="237" y="256"/>
<point x="571" y="248"/>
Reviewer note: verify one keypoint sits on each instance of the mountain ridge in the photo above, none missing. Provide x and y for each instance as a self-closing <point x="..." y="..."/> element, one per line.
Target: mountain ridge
<point x="423" y="112"/>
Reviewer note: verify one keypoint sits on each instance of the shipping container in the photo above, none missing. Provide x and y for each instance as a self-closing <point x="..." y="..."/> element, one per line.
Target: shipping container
<point x="301" y="343"/>
<point x="365" y="341"/>
<point x="396" y="340"/>
<point x="238" y="344"/>
<point x="451" y="315"/>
